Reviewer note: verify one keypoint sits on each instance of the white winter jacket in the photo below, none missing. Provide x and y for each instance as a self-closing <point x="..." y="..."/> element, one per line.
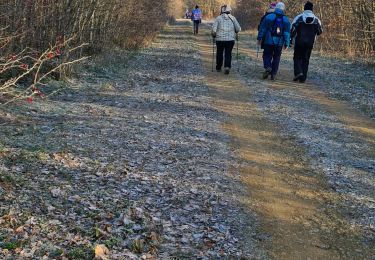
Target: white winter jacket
<point x="225" y="27"/>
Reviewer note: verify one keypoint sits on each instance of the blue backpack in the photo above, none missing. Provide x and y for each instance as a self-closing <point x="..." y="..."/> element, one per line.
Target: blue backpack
<point x="277" y="29"/>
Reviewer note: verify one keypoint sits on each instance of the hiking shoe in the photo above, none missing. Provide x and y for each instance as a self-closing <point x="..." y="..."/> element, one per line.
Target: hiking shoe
<point x="302" y="81"/>
<point x="272" y="77"/>
<point x="226" y="70"/>
<point x="298" y="77"/>
<point x="218" y="70"/>
<point x="266" y="73"/>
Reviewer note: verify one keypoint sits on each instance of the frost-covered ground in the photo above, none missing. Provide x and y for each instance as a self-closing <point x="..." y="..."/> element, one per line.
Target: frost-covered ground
<point x="332" y="117"/>
<point x="131" y="156"/>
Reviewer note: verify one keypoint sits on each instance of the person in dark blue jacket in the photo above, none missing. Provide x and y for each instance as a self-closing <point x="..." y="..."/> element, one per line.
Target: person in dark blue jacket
<point x="275" y="32"/>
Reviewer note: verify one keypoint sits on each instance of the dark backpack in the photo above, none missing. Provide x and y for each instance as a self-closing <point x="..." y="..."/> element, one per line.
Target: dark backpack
<point x="277" y="29"/>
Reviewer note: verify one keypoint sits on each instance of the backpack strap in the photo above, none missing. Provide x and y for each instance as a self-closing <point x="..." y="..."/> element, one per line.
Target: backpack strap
<point x="235" y="30"/>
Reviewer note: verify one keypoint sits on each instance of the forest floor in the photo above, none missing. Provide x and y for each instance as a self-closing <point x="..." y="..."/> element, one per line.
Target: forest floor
<point x="151" y="155"/>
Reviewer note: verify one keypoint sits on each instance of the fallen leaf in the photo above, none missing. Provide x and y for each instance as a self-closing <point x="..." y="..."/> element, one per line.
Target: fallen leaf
<point x="101" y="252"/>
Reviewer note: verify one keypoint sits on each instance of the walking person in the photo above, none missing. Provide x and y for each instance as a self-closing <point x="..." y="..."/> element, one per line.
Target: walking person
<point x="274" y="32"/>
<point x="187" y="14"/>
<point x="225" y="32"/>
<point x="196" y="17"/>
<point x="305" y="28"/>
<point x="270" y="10"/>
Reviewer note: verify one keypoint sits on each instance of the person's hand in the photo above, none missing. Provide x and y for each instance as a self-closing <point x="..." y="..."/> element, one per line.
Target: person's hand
<point x="213" y="35"/>
<point x="237" y="36"/>
<point x="286" y="48"/>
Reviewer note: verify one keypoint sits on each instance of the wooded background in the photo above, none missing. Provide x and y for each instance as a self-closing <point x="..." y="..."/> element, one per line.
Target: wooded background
<point x="349" y="25"/>
<point x="36" y="36"/>
<point x="39" y="23"/>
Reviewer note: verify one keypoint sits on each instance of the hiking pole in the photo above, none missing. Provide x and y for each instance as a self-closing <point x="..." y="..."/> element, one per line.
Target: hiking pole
<point x="238" y="67"/>
<point x="213" y="53"/>
<point x="255" y="62"/>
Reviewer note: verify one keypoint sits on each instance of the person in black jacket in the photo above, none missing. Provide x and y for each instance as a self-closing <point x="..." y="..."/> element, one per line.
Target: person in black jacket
<point x="305" y="28"/>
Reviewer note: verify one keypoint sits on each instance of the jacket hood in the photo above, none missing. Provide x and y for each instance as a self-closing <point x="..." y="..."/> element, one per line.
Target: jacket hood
<point x="308" y="17"/>
<point x="278" y="11"/>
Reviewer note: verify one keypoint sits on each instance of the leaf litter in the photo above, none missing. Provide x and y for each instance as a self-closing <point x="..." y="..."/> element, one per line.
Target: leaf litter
<point x="129" y="162"/>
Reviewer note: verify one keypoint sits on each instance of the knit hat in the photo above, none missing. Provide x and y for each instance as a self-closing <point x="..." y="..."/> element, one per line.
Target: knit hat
<point x="280" y="6"/>
<point x="227" y="8"/>
<point x="272" y="5"/>
<point x="309" y="6"/>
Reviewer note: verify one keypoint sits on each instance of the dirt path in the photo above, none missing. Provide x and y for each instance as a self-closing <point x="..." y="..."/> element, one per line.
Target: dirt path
<point x="156" y="157"/>
<point x="292" y="198"/>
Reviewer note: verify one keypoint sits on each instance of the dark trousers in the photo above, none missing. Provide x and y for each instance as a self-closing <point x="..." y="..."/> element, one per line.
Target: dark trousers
<point x="301" y="60"/>
<point x="224" y="49"/>
<point x="196" y="26"/>
<point x="271" y="57"/>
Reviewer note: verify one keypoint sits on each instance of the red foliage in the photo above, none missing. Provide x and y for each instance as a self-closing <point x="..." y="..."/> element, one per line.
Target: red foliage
<point x="24" y="66"/>
<point x="38" y="92"/>
<point x="58" y="52"/>
<point x="50" y="55"/>
<point x="12" y="57"/>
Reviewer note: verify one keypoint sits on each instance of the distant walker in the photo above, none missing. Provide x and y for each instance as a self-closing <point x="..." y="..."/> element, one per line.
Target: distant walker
<point x="196" y="17"/>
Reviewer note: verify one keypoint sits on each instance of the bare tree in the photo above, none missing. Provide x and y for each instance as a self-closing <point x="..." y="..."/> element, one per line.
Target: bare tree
<point x="31" y="28"/>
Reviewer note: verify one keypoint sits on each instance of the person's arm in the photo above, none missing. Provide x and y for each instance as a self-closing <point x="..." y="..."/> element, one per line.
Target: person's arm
<point x="294" y="27"/>
<point x="214" y="27"/>
<point x="237" y="25"/>
<point x="296" y="22"/>
<point x="262" y="30"/>
<point x="261" y="20"/>
<point x="286" y="32"/>
<point x="318" y="27"/>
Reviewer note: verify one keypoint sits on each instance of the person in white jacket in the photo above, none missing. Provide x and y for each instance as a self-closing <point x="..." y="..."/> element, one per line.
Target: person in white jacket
<point x="305" y="28"/>
<point x="225" y="32"/>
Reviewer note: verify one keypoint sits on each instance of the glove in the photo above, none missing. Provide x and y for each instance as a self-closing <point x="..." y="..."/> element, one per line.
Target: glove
<point x="213" y="35"/>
